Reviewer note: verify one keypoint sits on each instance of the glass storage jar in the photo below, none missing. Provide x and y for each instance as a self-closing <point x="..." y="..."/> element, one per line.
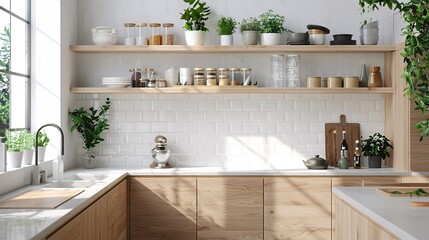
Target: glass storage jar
<point x="155" y="37"/>
<point x="211" y="80"/>
<point x="199" y="80"/>
<point x="292" y="70"/>
<point x="167" y="38"/>
<point x="141" y="40"/>
<point x="211" y="72"/>
<point x="246" y="76"/>
<point x="198" y="72"/>
<point x="235" y="76"/>
<point x="223" y="80"/>
<point x="135" y="77"/>
<point x="278" y="70"/>
<point x="130" y="39"/>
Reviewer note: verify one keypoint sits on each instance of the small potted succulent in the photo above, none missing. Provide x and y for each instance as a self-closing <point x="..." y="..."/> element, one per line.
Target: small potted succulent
<point x="226" y="27"/>
<point x="250" y="31"/>
<point x="28" y="141"/>
<point x="271" y="27"/>
<point x="15" y="147"/>
<point x="375" y="148"/>
<point x="195" y="16"/>
<point x="42" y="142"/>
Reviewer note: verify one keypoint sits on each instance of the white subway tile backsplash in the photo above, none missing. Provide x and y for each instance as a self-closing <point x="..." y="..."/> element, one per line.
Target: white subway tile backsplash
<point x="231" y="130"/>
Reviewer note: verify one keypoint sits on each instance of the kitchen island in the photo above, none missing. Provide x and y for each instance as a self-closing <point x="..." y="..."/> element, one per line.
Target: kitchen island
<point x="364" y="213"/>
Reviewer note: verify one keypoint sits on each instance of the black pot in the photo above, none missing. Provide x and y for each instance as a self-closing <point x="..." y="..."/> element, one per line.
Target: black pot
<point x="374" y="161"/>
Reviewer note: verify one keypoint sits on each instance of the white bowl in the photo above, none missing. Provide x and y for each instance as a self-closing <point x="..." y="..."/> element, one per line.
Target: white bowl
<point x="317" y="39"/>
<point x="105" y="40"/>
<point x="103" y="29"/>
<point x="369" y="40"/>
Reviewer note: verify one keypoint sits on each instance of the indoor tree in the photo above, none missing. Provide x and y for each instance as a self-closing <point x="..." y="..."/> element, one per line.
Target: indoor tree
<point x="416" y="51"/>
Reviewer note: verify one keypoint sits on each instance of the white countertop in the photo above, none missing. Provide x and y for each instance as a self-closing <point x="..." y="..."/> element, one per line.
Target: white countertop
<point x="393" y="213"/>
<point x="16" y="224"/>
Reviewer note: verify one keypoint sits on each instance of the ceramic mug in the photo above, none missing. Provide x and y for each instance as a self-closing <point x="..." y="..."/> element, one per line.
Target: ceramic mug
<point x="351" y="82"/>
<point x="314" y="82"/>
<point x="335" y="82"/>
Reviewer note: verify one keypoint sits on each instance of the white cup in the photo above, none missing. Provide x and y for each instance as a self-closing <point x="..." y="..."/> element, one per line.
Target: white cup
<point x="186" y="71"/>
<point x="185" y="80"/>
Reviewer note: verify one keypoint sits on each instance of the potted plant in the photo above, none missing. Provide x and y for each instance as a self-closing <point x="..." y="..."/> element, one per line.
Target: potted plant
<point x="15" y="145"/>
<point x="28" y="141"/>
<point x="90" y="125"/>
<point x="226" y="27"/>
<point x="375" y="147"/>
<point x="271" y="27"/>
<point x="250" y="31"/>
<point x="42" y="142"/>
<point x="195" y="16"/>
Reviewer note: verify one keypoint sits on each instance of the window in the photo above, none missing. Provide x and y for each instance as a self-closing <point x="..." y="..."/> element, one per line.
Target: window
<point x="14" y="64"/>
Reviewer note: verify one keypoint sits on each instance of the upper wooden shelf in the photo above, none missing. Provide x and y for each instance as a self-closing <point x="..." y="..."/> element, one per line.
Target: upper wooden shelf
<point x="233" y="49"/>
<point x="235" y="90"/>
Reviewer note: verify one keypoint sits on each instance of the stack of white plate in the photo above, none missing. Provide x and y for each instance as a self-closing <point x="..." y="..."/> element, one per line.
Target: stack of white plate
<point x="116" y="82"/>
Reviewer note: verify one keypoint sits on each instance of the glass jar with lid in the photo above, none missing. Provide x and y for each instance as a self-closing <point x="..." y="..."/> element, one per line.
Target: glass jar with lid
<point x="141" y="40"/>
<point x="167" y="38"/>
<point x="246" y="76"/>
<point x="130" y="40"/>
<point x="155" y="37"/>
<point x="235" y="76"/>
<point x="198" y="72"/>
<point x="161" y="83"/>
<point x="199" y="80"/>
<point x="211" y="80"/>
<point x="223" y="80"/>
<point x="212" y="72"/>
<point x="135" y="77"/>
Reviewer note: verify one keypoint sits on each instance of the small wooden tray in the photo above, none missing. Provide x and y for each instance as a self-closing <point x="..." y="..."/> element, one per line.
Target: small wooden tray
<point x="40" y="199"/>
<point x="387" y="191"/>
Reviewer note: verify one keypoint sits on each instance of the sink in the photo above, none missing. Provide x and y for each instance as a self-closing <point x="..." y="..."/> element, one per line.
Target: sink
<point x="70" y="184"/>
<point x="87" y="176"/>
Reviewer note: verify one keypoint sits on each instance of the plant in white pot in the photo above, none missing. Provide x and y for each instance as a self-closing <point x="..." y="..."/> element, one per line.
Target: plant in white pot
<point x="42" y="142"/>
<point x="28" y="141"/>
<point x="271" y="27"/>
<point x="90" y="124"/>
<point x="250" y="31"/>
<point x="375" y="148"/>
<point x="195" y="16"/>
<point x="15" y="145"/>
<point x="226" y="27"/>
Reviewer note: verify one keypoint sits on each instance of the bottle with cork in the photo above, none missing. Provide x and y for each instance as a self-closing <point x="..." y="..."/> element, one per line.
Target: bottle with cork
<point x="343" y="162"/>
<point x="356" y="155"/>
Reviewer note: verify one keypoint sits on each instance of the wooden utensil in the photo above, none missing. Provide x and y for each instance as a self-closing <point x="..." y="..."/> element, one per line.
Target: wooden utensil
<point x="40" y="199"/>
<point x="333" y="138"/>
<point x="419" y="204"/>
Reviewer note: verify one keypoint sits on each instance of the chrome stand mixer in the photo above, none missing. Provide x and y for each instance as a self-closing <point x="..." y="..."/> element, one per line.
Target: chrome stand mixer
<point x="160" y="153"/>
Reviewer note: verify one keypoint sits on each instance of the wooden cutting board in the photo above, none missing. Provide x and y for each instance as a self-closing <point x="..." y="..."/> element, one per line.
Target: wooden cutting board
<point x="333" y="139"/>
<point x="40" y="199"/>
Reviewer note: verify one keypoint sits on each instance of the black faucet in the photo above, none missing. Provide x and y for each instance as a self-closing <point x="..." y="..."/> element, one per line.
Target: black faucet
<point x="36" y="173"/>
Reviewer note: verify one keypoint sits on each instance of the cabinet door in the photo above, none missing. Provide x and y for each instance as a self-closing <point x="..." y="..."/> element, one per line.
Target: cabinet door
<point x="117" y="212"/>
<point x="73" y="230"/>
<point x="163" y="208"/>
<point x="297" y="208"/>
<point x="230" y="208"/>
<point x="95" y="220"/>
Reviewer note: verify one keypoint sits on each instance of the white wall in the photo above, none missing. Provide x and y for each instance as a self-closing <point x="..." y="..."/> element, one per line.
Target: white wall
<point x="263" y="131"/>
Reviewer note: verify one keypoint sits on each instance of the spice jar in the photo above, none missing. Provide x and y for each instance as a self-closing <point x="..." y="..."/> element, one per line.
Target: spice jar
<point x="130" y="40"/>
<point x="246" y="76"/>
<point x="198" y="72"/>
<point x="167" y="39"/>
<point x="375" y="77"/>
<point x="135" y="78"/>
<point x="155" y="38"/>
<point x="148" y="72"/>
<point x="161" y="83"/>
<point x="211" y="80"/>
<point x="212" y="72"/>
<point x="199" y="80"/>
<point x="234" y="76"/>
<point x="223" y="71"/>
<point x="141" y="40"/>
<point x="151" y="83"/>
<point x="143" y="82"/>
<point x="223" y="80"/>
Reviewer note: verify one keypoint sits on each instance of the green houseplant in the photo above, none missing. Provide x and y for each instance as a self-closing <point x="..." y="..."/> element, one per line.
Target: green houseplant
<point x="226" y="27"/>
<point x="15" y="147"/>
<point x="250" y="31"/>
<point x="42" y="142"/>
<point x="195" y="16"/>
<point x="271" y="25"/>
<point x="90" y="124"/>
<point x="416" y="51"/>
<point x="376" y="148"/>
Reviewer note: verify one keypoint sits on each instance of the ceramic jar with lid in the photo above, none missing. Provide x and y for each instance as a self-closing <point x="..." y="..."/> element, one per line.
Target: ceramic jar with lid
<point x="375" y="77"/>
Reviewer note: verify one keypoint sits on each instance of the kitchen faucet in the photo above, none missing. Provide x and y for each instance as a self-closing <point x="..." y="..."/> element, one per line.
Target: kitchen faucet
<point x="37" y="174"/>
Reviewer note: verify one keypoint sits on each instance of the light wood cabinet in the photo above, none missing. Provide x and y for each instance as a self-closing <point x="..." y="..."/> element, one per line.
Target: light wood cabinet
<point x="105" y="219"/>
<point x="352" y="225"/>
<point x="230" y="208"/>
<point x="163" y="208"/>
<point x="297" y="208"/>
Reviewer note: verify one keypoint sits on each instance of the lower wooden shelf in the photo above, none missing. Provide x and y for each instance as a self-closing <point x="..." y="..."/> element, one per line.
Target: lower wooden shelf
<point x="229" y="89"/>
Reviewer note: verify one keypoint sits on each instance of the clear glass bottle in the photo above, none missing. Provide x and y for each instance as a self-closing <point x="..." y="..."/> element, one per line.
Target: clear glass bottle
<point x="167" y="38"/>
<point x="278" y="71"/>
<point x="246" y="76"/>
<point x="155" y="37"/>
<point x="130" y="39"/>
<point x="58" y="168"/>
<point x="141" y="40"/>
<point x="293" y="70"/>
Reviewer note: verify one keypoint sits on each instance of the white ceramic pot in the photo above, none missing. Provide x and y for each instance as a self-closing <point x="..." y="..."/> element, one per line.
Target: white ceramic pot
<point x="195" y="38"/>
<point x="226" y="40"/>
<point x="41" y="154"/>
<point x="27" y="157"/>
<point x="14" y="159"/>
<point x="250" y="37"/>
<point x="270" y="39"/>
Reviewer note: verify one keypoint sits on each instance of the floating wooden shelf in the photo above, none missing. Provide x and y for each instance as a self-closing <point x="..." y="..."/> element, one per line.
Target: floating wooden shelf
<point x="233" y="49"/>
<point x="235" y="90"/>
